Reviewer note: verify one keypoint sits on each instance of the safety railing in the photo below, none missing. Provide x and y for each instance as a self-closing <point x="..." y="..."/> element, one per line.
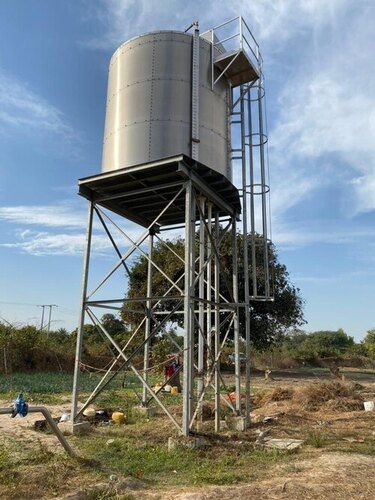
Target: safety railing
<point x="235" y="34"/>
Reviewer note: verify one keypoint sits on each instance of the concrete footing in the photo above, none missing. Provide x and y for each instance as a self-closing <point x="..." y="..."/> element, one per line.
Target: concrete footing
<point x="145" y="411"/>
<point x="235" y="423"/>
<point x="67" y="428"/>
<point x="191" y="442"/>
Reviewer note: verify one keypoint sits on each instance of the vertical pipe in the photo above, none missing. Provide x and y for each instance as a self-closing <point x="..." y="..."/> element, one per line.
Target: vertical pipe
<point x="252" y="196"/>
<point x="217" y="327"/>
<point x="86" y="265"/>
<point x="212" y="58"/>
<point x="264" y="199"/>
<point x="236" y="326"/>
<point x="146" y="352"/>
<point x="245" y="255"/>
<point x="195" y="94"/>
<point x="209" y="286"/>
<point x="241" y="31"/>
<point x="188" y="307"/>
<point x="201" y="305"/>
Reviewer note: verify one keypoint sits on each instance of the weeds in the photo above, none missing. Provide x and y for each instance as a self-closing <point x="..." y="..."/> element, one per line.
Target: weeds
<point x="316" y="440"/>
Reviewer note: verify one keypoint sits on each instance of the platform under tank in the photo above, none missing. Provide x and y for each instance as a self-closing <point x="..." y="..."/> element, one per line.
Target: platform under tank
<point x="148" y="113"/>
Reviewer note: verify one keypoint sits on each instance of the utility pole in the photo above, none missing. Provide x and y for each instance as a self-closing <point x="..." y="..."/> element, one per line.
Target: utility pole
<point x="43" y="306"/>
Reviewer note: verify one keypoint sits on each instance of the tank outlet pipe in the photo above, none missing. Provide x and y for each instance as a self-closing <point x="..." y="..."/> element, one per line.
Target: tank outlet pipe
<point x="47" y="415"/>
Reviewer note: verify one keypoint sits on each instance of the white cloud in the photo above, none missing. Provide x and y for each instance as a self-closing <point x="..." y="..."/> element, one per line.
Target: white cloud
<point x="324" y="132"/>
<point x="62" y="215"/>
<point x="24" y="111"/>
<point x="66" y="216"/>
<point x="40" y="243"/>
<point x="289" y="235"/>
<point x="321" y="116"/>
<point x="269" y="19"/>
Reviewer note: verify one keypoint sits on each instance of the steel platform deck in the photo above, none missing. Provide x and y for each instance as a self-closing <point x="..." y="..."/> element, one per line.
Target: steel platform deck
<point x="139" y="193"/>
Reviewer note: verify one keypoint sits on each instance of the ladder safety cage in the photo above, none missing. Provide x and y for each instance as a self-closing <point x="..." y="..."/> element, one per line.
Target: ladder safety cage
<point x="234" y="44"/>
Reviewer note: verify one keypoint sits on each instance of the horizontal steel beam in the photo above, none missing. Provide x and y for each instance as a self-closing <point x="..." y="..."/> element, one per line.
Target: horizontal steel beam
<point x="206" y="190"/>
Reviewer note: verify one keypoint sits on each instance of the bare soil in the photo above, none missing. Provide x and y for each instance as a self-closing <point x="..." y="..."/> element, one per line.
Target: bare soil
<point x="337" y="459"/>
<point x="325" y="476"/>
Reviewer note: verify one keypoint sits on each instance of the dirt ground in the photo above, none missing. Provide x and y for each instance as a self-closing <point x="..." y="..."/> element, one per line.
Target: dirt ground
<point x="326" y="476"/>
<point x="337" y="459"/>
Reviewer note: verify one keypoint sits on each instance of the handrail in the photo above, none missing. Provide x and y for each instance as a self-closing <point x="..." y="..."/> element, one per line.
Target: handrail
<point x="225" y="23"/>
<point x="226" y="39"/>
<point x="242" y="34"/>
<point x="249" y="30"/>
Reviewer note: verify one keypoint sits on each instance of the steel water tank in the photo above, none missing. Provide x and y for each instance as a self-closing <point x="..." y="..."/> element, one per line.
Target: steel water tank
<point x="148" y="113"/>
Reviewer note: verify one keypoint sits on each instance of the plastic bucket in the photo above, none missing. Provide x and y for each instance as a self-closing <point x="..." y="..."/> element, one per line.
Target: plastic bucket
<point x="118" y="417"/>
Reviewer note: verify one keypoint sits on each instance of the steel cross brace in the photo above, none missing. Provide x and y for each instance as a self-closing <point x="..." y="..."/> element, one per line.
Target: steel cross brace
<point x="190" y="276"/>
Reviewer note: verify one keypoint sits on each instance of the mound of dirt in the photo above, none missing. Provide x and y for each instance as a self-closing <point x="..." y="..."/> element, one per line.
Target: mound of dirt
<point x="343" y="404"/>
<point x="330" y="395"/>
<point x="277" y="394"/>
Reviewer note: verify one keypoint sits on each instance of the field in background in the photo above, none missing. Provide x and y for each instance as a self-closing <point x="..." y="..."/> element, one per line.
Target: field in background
<point x="336" y="460"/>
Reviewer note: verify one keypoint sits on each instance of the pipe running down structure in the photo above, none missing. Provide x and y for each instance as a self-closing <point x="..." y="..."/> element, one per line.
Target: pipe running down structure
<point x="180" y="195"/>
<point x="54" y="428"/>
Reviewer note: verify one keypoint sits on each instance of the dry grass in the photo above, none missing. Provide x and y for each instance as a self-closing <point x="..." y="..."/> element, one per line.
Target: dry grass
<point x="337" y="395"/>
<point x="314" y="396"/>
<point x="277" y="394"/>
<point x="342" y="405"/>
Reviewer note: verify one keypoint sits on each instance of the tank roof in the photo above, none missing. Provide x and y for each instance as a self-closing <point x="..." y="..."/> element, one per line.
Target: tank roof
<point x="148" y="33"/>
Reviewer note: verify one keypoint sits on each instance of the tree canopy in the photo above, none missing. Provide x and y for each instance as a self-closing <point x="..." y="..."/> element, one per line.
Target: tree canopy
<point x="269" y="320"/>
<point x="369" y="341"/>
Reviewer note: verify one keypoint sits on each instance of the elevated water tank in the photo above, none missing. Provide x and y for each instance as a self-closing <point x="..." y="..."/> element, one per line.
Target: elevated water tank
<point x="148" y="113"/>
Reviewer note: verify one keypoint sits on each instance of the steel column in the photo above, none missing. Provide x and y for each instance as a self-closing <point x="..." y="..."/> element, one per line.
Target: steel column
<point x="217" y="328"/>
<point x="252" y="196"/>
<point x="146" y="354"/>
<point x="201" y="305"/>
<point x="263" y="195"/>
<point x="209" y="284"/>
<point x="236" y="324"/>
<point x="245" y="256"/>
<point x="188" y="307"/>
<point x="86" y="265"/>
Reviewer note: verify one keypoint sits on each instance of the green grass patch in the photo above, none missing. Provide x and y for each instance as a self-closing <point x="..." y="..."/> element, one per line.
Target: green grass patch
<point x="155" y="465"/>
<point x="316" y="439"/>
<point x="49" y="387"/>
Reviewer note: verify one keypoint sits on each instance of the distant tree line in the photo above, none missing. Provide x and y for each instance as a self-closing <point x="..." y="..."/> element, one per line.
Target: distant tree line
<point x="28" y="349"/>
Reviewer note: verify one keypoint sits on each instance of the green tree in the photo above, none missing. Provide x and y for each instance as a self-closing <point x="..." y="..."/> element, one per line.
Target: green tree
<point x="324" y="344"/>
<point x="113" y="325"/>
<point x="269" y="320"/>
<point x="369" y="342"/>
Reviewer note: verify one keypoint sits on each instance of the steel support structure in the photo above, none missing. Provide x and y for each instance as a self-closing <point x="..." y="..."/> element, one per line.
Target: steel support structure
<point x="203" y="301"/>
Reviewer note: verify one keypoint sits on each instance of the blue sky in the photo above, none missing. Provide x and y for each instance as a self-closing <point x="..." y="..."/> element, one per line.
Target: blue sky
<point x="319" y="65"/>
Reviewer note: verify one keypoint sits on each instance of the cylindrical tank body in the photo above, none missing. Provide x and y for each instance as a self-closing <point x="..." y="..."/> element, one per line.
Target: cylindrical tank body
<point x="148" y="114"/>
